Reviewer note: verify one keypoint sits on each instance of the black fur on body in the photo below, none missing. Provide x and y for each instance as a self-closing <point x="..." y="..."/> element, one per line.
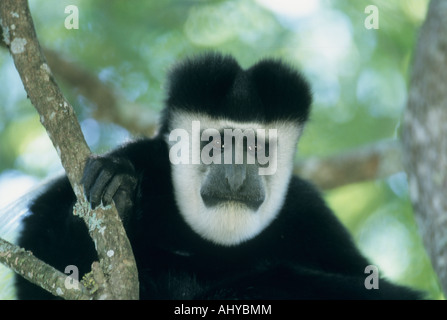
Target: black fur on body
<point x="303" y="253"/>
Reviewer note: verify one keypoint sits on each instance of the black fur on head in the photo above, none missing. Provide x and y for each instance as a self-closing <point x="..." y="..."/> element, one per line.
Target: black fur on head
<point x="216" y="85"/>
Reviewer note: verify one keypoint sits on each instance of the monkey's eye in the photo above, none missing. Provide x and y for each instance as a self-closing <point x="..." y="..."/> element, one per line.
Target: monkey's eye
<point x="218" y="144"/>
<point x="252" y="148"/>
<point x="255" y="148"/>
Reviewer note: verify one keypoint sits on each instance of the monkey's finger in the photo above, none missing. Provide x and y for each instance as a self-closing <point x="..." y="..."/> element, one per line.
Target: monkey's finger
<point x="110" y="191"/>
<point x="98" y="188"/>
<point x="92" y="170"/>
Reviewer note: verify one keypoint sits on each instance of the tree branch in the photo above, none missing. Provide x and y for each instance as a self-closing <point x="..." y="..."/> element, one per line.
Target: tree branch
<point x="34" y="270"/>
<point x="375" y="161"/>
<point x="57" y="116"/>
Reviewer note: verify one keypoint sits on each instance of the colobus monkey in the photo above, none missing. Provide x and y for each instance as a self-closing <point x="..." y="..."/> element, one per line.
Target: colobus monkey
<point x="210" y="204"/>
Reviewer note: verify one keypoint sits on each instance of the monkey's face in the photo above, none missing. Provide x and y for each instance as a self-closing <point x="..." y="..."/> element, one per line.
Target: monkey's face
<point x="230" y="178"/>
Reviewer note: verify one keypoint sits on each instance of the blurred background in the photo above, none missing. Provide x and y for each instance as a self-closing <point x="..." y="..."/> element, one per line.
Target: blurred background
<point x="113" y="71"/>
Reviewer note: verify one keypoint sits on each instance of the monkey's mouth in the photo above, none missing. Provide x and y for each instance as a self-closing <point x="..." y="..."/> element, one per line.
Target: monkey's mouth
<point x="212" y="200"/>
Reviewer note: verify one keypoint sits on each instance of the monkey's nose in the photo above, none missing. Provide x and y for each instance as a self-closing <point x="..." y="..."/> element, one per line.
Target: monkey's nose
<point x="235" y="175"/>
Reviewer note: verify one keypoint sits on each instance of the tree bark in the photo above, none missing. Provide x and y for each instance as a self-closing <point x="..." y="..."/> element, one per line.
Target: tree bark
<point x="424" y="136"/>
<point x="118" y="276"/>
<point x="34" y="270"/>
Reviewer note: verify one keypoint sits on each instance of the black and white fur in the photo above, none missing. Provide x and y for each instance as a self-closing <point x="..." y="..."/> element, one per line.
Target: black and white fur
<point x="263" y="237"/>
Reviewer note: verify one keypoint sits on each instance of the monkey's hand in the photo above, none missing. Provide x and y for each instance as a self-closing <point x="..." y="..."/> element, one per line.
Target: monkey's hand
<point x="108" y="178"/>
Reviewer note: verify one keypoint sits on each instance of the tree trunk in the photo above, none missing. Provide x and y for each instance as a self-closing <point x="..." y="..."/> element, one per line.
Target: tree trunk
<point x="424" y="136"/>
